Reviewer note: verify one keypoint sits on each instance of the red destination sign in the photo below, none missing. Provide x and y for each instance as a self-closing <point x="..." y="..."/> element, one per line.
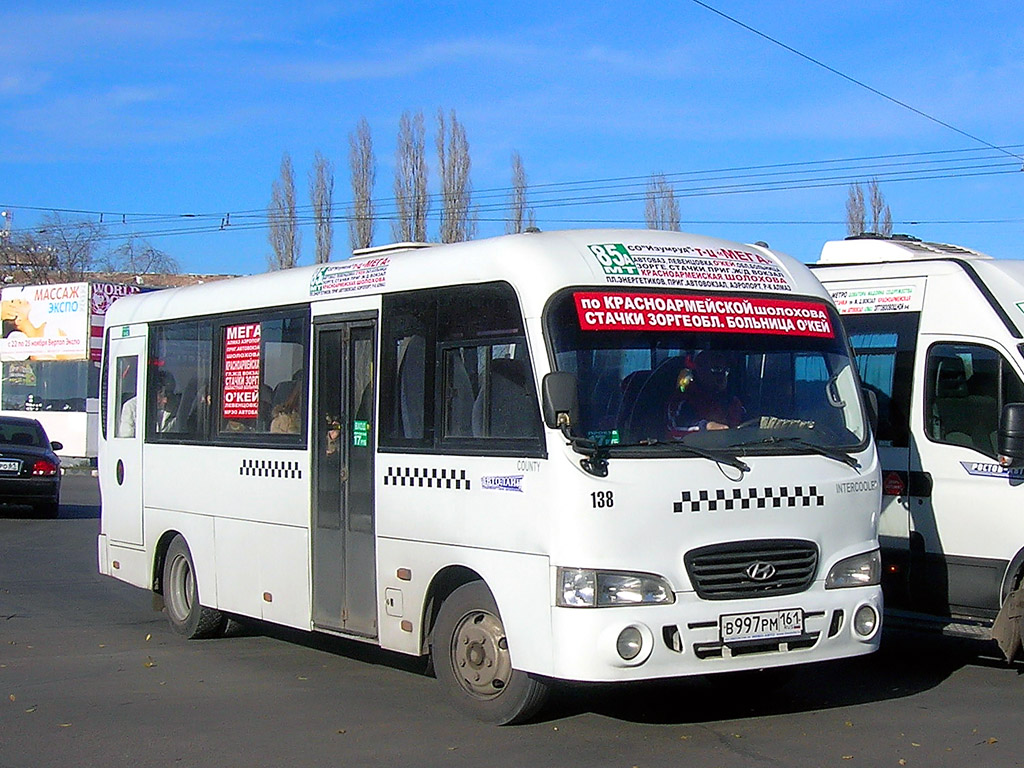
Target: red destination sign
<point x="603" y="311"/>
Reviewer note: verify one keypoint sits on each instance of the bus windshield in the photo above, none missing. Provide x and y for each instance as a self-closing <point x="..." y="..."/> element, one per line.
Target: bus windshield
<point x="747" y="375"/>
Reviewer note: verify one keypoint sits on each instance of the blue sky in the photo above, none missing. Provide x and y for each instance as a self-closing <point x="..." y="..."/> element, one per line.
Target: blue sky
<point x="145" y="109"/>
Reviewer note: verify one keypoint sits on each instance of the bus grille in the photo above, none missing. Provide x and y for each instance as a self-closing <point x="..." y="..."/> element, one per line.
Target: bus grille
<point x="744" y="569"/>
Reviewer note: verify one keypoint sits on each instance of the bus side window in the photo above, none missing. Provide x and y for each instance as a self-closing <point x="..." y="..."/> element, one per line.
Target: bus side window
<point x="124" y="393"/>
<point x="505" y="406"/>
<point x="408" y="354"/>
<point x="967" y="386"/>
<point x="884" y="346"/>
<point x="409" y="396"/>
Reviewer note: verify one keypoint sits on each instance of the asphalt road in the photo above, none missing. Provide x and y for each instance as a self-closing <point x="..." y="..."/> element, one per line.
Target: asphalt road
<point x="90" y="675"/>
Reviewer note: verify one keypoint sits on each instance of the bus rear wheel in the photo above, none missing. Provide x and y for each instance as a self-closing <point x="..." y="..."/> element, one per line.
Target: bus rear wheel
<point x="471" y="660"/>
<point x="181" y="596"/>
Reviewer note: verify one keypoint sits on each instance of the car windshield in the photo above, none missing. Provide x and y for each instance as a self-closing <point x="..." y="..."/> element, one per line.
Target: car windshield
<point x="746" y="375"/>
<point x="13" y="433"/>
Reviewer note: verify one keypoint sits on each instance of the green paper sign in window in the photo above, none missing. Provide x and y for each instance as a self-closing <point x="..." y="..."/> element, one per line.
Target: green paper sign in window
<point x="361" y="433"/>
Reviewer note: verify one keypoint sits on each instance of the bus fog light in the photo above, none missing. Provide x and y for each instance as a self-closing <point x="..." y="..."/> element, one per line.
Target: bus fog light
<point x="629" y="643"/>
<point x="865" y="620"/>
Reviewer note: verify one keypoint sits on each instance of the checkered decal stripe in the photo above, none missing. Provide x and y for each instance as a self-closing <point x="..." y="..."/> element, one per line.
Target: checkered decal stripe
<point x="750" y="498"/>
<point x="265" y="468"/>
<point x="427" y="477"/>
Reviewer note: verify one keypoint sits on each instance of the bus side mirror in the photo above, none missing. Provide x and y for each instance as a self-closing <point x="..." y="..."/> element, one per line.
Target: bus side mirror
<point x="561" y="402"/>
<point x="1011" y="431"/>
<point x="871" y="403"/>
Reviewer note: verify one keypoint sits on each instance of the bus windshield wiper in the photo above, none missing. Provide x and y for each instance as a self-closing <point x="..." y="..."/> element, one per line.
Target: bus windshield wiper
<point x="822" y="450"/>
<point x="719" y="456"/>
<point x="597" y="454"/>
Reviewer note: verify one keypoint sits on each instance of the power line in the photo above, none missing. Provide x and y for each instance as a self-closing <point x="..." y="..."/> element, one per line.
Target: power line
<point x="854" y="80"/>
<point x="756" y="178"/>
<point x="256" y="223"/>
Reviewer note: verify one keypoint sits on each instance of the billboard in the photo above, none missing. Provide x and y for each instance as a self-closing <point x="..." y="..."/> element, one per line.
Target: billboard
<point x="56" y="322"/>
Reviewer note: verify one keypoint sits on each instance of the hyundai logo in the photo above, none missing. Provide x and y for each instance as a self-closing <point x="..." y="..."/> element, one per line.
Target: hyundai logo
<point x="760" y="571"/>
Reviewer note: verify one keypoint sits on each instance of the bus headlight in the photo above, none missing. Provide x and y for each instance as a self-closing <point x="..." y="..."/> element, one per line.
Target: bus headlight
<point x="863" y="570"/>
<point x="583" y="588"/>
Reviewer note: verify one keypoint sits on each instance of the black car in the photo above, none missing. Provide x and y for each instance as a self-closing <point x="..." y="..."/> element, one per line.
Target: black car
<point x="29" y="468"/>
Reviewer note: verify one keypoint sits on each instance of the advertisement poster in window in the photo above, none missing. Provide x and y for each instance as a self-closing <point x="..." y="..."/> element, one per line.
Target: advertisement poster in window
<point x="241" y="396"/>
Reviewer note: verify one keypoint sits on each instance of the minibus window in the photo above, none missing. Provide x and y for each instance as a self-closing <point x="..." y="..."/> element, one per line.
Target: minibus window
<point x="732" y="373"/>
<point x="884" y="345"/>
<point x="456" y="372"/>
<point x="966" y="388"/>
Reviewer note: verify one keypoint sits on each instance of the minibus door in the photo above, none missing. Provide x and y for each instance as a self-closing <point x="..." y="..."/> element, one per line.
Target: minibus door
<point x="884" y="344"/>
<point x="963" y="516"/>
<point x="121" y="467"/>
<point x="344" y="563"/>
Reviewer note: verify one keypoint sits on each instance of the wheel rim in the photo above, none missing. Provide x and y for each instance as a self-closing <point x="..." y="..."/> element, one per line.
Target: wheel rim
<point x="180" y="588"/>
<point x="479" y="655"/>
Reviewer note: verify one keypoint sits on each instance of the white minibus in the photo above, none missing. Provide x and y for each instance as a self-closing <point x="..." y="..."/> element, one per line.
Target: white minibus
<point x="599" y="455"/>
<point x="939" y="335"/>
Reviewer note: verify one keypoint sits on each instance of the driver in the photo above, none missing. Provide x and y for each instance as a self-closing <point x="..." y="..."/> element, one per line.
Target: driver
<point x="701" y="399"/>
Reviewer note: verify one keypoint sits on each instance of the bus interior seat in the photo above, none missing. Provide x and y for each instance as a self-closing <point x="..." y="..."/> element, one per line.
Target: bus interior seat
<point x="505" y="407"/>
<point x="648" y="417"/>
<point x="184" y="416"/>
<point x="959" y="417"/>
<point x="631" y="385"/>
<point x="460" y="397"/>
<point x="601" y="405"/>
<point x="411" y="387"/>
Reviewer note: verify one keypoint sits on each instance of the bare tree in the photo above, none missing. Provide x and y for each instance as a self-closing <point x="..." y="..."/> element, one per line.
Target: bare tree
<point x="283" y="232"/>
<point x="456" y="188"/>
<point x="881" y="216"/>
<point x="856" y="219"/>
<point x="138" y="257"/>
<point x="321" y="194"/>
<point x="58" y="250"/>
<point x="520" y="217"/>
<point x="857" y="212"/>
<point x="411" y="200"/>
<point x="662" y="209"/>
<point x="363" y="170"/>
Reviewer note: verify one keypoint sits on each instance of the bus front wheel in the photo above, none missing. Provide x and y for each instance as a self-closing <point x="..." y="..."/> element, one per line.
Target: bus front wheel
<point x="181" y="596"/>
<point x="472" y="662"/>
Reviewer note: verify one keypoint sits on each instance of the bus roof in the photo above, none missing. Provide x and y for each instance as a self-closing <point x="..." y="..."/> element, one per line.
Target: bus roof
<point x="874" y="249"/>
<point x="536" y="264"/>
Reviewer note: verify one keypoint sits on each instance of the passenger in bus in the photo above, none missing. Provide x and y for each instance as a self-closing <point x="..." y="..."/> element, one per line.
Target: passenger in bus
<point x="285" y="417"/>
<point x="162" y="387"/>
<point x="701" y="399"/>
<point x="333" y="438"/>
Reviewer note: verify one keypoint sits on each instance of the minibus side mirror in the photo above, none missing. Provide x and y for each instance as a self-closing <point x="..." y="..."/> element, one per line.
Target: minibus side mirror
<point x="561" y="401"/>
<point x="1011" y="431"/>
<point x="871" y="404"/>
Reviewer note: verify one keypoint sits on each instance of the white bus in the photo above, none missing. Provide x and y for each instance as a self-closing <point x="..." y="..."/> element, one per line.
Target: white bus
<point x="938" y="330"/>
<point x="491" y="452"/>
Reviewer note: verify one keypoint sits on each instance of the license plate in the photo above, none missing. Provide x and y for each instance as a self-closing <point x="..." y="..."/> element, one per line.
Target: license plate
<point x="766" y="625"/>
<point x="10" y="465"/>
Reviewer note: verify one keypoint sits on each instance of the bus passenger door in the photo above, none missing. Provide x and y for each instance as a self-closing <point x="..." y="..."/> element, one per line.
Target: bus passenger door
<point x="344" y="562"/>
<point x="121" y="464"/>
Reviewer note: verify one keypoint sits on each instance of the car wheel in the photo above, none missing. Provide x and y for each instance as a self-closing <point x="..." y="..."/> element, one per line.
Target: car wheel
<point x="471" y="660"/>
<point x="181" y="596"/>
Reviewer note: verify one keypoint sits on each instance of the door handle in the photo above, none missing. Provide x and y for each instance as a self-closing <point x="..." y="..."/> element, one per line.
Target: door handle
<point x="343" y="474"/>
